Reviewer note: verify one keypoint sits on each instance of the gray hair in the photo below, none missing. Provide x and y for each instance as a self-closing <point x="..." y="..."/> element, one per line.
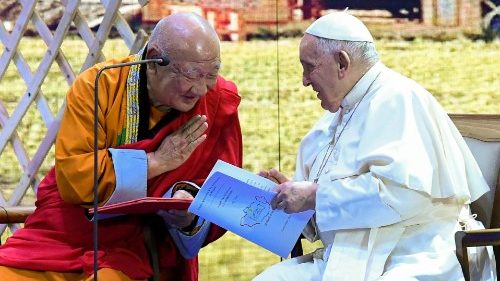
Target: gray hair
<point x="365" y="52"/>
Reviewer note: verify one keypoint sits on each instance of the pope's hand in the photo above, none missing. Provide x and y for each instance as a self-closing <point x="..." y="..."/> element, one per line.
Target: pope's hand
<point x="273" y="175"/>
<point x="176" y="148"/>
<point x="179" y="218"/>
<point x="294" y="197"/>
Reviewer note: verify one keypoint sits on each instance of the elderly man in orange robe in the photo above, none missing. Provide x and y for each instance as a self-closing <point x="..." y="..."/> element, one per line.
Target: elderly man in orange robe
<point x="158" y="125"/>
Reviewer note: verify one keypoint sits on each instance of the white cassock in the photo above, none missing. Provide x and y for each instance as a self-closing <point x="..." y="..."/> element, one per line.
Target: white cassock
<point x="393" y="192"/>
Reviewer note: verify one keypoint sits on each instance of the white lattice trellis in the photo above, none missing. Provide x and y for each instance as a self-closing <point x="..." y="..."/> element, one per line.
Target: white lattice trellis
<point x="33" y="94"/>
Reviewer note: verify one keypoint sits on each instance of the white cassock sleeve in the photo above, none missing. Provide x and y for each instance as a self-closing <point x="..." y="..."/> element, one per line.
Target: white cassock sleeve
<point x="365" y="201"/>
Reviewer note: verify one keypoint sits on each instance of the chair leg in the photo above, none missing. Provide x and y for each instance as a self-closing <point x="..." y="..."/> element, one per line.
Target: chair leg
<point x="462" y="255"/>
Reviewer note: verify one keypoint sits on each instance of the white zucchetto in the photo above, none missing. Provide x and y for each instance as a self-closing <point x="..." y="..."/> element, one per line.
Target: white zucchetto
<point x="340" y="26"/>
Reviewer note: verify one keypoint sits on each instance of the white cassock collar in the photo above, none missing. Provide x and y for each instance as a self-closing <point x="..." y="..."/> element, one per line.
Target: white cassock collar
<point x="361" y="87"/>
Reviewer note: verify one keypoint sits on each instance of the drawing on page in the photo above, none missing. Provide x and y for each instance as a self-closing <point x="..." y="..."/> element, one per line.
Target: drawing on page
<point x="259" y="211"/>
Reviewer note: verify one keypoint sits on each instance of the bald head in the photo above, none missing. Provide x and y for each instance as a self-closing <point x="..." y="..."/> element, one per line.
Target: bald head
<point x="185" y="36"/>
<point x="192" y="47"/>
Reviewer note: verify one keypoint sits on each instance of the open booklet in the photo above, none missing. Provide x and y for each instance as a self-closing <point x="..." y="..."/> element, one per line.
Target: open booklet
<point x="240" y="202"/>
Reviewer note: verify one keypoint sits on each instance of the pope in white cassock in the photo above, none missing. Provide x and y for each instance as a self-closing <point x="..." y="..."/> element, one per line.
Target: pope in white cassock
<point x="385" y="169"/>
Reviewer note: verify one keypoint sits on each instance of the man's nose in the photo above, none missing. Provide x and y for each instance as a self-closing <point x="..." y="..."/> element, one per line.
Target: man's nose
<point x="200" y="88"/>
<point x="305" y="81"/>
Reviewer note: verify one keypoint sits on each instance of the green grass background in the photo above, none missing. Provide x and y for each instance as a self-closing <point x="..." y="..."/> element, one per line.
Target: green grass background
<point x="462" y="74"/>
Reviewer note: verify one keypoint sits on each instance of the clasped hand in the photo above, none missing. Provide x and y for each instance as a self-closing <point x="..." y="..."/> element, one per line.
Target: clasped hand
<point x="176" y="148"/>
<point x="292" y="197"/>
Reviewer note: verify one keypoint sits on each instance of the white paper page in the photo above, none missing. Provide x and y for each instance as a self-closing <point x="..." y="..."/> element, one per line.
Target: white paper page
<point x="243" y="175"/>
<point x="246" y="210"/>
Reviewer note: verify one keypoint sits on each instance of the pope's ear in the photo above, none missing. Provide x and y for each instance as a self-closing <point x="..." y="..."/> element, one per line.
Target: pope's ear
<point x="344" y="62"/>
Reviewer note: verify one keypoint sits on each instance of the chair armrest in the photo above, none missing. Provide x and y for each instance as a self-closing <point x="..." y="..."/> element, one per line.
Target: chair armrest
<point x="479" y="237"/>
<point x="17" y="214"/>
<point x="474" y="238"/>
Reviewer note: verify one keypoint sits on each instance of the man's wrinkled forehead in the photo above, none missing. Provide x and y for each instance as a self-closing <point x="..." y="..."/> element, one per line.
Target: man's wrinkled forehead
<point x="308" y="49"/>
<point x="198" y="67"/>
<point x="195" y="49"/>
<point x="200" y="55"/>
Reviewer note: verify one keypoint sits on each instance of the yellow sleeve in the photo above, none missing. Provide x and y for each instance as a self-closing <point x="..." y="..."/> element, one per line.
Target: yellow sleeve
<point x="75" y="140"/>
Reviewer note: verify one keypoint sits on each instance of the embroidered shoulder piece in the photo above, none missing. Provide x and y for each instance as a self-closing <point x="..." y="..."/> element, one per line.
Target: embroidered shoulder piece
<point x="132" y="120"/>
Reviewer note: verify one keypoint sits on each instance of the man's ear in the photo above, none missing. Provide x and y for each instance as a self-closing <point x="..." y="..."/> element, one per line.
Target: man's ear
<point x="152" y="52"/>
<point x="344" y="63"/>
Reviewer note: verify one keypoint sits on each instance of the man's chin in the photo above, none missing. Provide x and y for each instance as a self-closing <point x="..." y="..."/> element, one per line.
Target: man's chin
<point x="332" y="108"/>
<point x="326" y="106"/>
<point x="163" y="108"/>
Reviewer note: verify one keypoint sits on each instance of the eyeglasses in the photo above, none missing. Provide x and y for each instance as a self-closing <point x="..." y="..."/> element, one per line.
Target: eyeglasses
<point x="191" y="75"/>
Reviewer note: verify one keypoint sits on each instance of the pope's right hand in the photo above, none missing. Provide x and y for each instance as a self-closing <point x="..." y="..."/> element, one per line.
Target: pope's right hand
<point x="274" y="175"/>
<point x="176" y="148"/>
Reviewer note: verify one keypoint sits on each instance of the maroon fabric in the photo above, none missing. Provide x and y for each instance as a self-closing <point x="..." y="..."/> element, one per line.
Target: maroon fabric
<point x="58" y="235"/>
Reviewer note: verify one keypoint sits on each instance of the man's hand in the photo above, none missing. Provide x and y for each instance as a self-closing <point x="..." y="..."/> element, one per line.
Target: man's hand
<point x="176" y="148"/>
<point x="273" y="175"/>
<point x="294" y="197"/>
<point x="179" y="218"/>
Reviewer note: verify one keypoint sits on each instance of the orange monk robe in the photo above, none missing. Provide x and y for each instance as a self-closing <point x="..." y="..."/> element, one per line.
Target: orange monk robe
<point x="57" y="237"/>
<point x="14" y="274"/>
<point x="74" y="146"/>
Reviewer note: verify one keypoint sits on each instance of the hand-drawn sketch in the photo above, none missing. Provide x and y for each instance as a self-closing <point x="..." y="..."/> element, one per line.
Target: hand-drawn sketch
<point x="257" y="212"/>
